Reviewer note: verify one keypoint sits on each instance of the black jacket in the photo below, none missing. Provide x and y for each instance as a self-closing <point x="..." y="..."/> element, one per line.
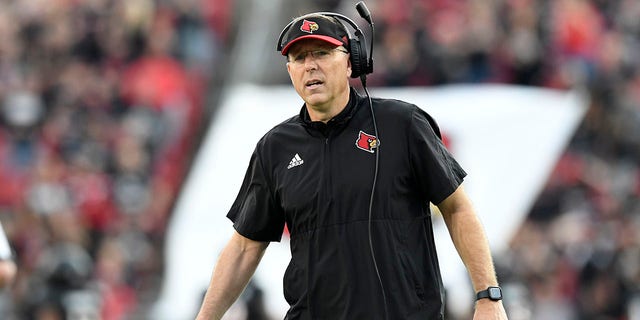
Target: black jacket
<point x="317" y="178"/>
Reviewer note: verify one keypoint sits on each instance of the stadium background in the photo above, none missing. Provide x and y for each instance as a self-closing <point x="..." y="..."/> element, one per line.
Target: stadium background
<point x="104" y="104"/>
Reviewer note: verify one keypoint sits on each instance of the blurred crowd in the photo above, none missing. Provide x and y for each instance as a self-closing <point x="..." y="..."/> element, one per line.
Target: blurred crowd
<point x="101" y="104"/>
<point x="578" y="254"/>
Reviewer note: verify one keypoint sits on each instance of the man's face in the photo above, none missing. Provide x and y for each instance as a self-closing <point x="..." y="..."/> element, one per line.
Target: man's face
<point x="319" y="72"/>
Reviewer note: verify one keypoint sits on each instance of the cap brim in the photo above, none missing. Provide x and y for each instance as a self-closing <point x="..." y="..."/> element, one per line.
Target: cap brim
<point x="328" y="39"/>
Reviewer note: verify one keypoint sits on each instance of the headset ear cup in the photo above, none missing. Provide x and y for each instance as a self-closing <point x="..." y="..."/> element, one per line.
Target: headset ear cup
<point x="356" y="60"/>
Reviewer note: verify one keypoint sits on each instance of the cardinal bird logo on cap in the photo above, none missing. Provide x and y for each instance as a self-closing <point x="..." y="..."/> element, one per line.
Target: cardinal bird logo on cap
<point x="309" y="26"/>
<point x="367" y="142"/>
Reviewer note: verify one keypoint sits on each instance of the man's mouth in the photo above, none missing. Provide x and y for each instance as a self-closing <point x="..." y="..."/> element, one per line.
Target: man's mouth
<point x="313" y="83"/>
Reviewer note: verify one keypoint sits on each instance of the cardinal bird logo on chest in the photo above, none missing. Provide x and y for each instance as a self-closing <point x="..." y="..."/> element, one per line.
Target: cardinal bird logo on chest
<point x="367" y="142"/>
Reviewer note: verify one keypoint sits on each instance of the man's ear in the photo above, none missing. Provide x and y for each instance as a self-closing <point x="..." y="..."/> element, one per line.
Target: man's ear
<point x="289" y="70"/>
<point x="349" y="71"/>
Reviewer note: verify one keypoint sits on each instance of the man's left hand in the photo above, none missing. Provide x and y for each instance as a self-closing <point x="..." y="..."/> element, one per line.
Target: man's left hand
<point x="489" y="310"/>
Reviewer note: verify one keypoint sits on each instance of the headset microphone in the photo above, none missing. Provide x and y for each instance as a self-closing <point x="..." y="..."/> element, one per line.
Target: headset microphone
<point x="364" y="12"/>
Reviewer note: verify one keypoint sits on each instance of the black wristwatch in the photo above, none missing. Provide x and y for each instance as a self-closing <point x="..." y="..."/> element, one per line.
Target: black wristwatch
<point x="493" y="293"/>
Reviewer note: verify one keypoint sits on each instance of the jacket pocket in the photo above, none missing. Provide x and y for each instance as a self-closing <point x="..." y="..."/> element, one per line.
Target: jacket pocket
<point x="411" y="277"/>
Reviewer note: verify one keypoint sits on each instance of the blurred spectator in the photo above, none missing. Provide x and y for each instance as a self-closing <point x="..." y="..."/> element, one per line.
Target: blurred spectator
<point x="7" y="265"/>
<point x="100" y="107"/>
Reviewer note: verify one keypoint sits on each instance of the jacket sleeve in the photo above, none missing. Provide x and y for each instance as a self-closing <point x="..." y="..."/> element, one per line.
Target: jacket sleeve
<point x="255" y="213"/>
<point x="437" y="172"/>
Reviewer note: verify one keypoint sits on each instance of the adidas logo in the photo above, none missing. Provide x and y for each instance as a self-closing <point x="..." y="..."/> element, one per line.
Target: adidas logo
<point x="296" y="161"/>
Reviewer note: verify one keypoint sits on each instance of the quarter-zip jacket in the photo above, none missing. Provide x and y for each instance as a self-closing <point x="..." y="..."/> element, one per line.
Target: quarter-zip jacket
<point x="317" y="178"/>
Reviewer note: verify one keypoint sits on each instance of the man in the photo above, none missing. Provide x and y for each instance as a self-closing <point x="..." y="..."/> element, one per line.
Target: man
<point x="315" y="172"/>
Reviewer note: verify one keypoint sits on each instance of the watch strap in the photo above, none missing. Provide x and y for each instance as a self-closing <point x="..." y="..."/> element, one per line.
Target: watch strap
<point x="487" y="293"/>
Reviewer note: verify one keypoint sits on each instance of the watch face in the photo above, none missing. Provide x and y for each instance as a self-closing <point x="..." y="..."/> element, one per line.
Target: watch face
<point x="495" y="293"/>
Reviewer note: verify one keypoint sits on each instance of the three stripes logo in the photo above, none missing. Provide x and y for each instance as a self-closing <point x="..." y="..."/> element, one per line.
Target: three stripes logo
<point x="296" y="161"/>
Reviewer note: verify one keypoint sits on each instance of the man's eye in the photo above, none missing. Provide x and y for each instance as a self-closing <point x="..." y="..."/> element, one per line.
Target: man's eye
<point x="320" y="53"/>
<point x="315" y="54"/>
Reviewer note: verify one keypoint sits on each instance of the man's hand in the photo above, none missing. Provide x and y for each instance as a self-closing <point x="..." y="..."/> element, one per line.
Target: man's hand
<point x="489" y="310"/>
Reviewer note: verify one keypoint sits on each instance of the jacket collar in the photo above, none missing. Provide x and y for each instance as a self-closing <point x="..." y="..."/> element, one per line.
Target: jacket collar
<point x="339" y="120"/>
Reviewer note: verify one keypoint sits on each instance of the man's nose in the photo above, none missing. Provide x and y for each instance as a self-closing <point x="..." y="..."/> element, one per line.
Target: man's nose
<point x="310" y="62"/>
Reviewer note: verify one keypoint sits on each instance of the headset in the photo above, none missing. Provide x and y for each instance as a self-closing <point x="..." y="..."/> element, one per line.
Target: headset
<point x="361" y="65"/>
